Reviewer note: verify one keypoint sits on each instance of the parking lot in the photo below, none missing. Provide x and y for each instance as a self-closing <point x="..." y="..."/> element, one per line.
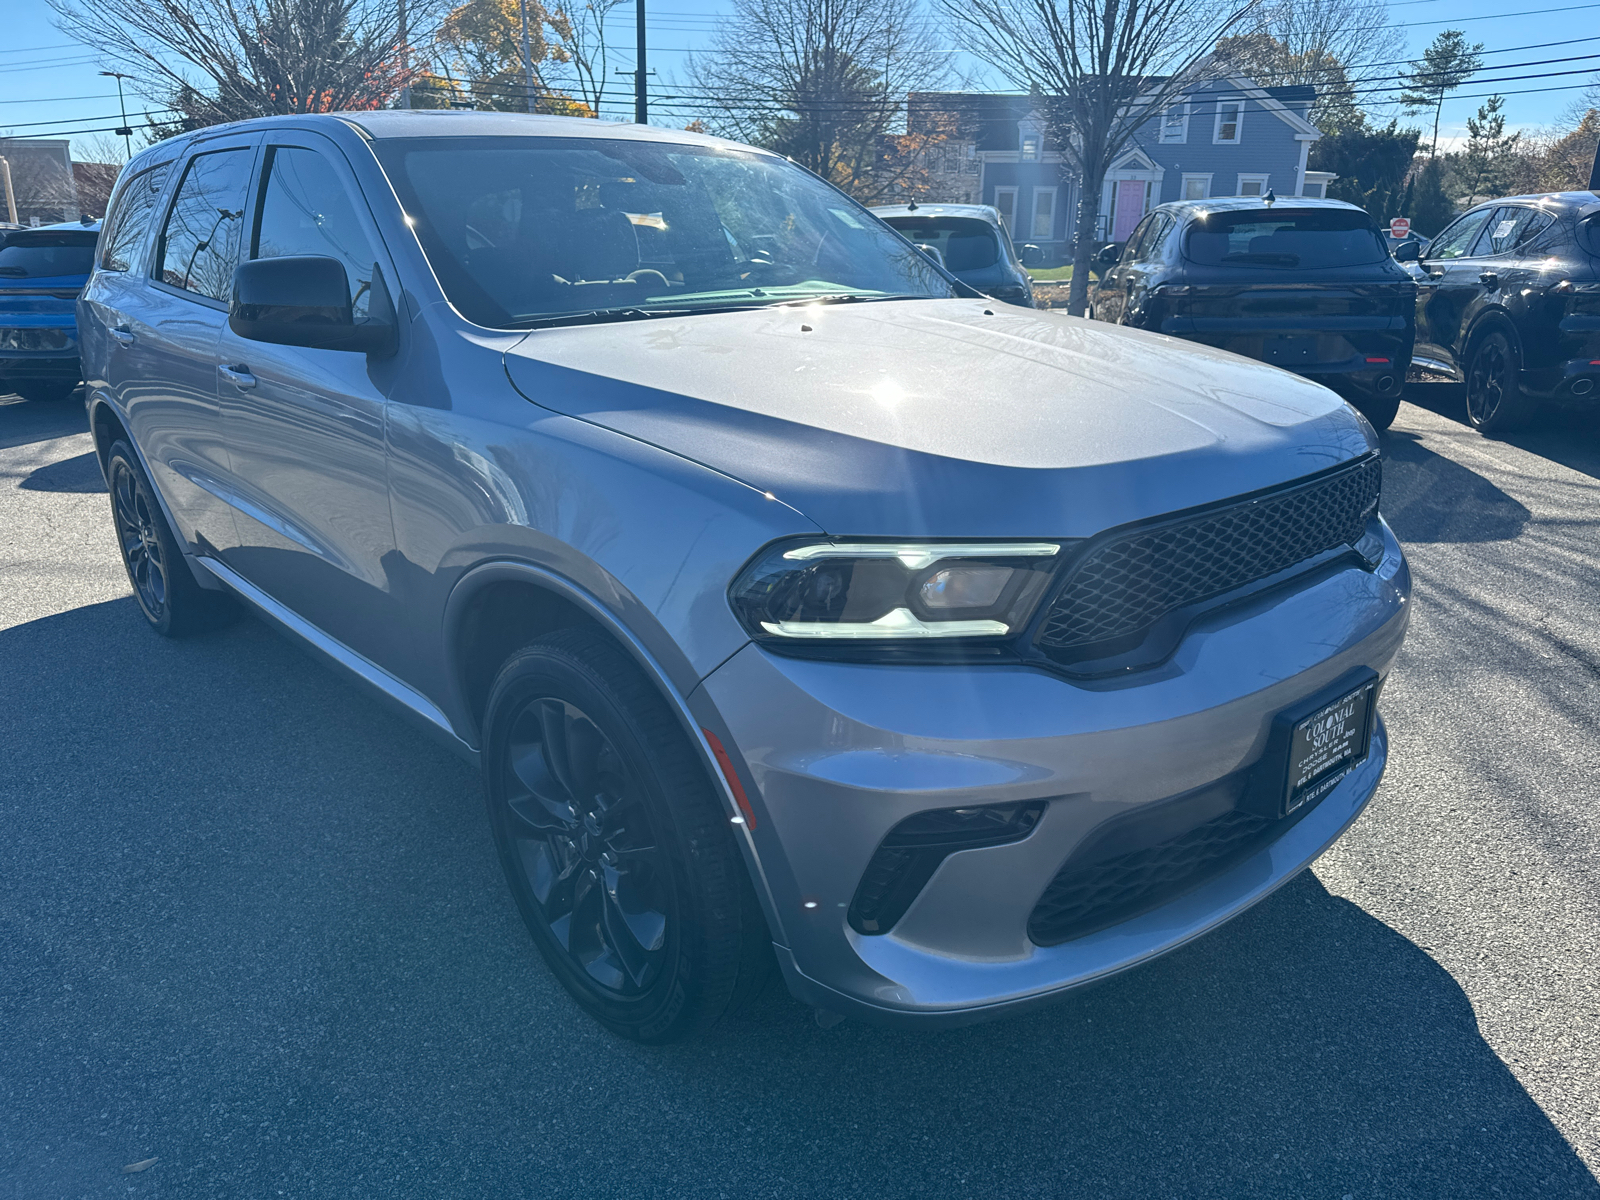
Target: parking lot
<point x="252" y="927"/>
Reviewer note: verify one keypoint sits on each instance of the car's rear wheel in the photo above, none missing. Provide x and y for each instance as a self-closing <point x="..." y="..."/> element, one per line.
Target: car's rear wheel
<point x="614" y="844"/>
<point x="41" y="389"/>
<point x="1379" y="410"/>
<point x="1496" y="402"/>
<point x="171" y="600"/>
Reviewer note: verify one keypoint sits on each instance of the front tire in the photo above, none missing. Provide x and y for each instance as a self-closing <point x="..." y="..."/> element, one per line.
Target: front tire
<point x="1496" y="402"/>
<point x="170" y="599"/>
<point x="615" y="846"/>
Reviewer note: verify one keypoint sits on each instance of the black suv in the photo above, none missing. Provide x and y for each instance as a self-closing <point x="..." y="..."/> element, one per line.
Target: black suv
<point x="1508" y="302"/>
<point x="1308" y="285"/>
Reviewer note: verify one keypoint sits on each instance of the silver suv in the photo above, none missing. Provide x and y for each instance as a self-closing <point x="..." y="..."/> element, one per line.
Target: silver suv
<point x="798" y="606"/>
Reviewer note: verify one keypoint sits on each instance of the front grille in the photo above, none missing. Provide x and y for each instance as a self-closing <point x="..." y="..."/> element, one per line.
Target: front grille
<point x="1089" y="895"/>
<point x="1125" y="583"/>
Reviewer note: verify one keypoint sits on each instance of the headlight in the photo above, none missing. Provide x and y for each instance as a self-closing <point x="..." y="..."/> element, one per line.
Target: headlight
<point x="863" y="592"/>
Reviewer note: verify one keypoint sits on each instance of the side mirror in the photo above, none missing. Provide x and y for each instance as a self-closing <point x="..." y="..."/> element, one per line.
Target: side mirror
<point x="304" y="300"/>
<point x="1108" y="255"/>
<point x="1407" y="252"/>
<point x="1032" y="256"/>
<point x="932" y="252"/>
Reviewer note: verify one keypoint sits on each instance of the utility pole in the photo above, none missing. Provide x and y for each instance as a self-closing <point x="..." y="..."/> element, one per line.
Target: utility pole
<point x="641" y="104"/>
<point x="527" y="56"/>
<point x="126" y="131"/>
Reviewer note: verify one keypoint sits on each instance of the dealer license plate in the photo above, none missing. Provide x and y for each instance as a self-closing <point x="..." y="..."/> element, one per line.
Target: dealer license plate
<point x="1325" y="745"/>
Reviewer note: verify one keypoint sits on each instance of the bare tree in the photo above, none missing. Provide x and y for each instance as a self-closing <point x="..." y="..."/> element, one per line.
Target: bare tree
<point x="587" y="70"/>
<point x="209" y="61"/>
<point x="1323" y="43"/>
<point x="822" y="81"/>
<point x="1101" y="68"/>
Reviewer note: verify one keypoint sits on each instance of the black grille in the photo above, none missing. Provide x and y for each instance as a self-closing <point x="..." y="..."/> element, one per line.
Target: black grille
<point x="1125" y="583"/>
<point x="1086" y="896"/>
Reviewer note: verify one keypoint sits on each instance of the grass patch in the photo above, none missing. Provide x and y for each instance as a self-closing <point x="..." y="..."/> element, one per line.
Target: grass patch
<point x="1050" y="274"/>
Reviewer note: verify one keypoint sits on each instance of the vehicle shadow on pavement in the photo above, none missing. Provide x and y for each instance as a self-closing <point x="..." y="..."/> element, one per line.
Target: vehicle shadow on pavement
<point x="1569" y="436"/>
<point x="1430" y="498"/>
<point x="23" y="422"/>
<point x="254" y="928"/>
<point x="78" y="474"/>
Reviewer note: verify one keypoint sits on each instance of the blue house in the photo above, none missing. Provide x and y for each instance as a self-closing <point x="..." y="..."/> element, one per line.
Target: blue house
<point x="1225" y="137"/>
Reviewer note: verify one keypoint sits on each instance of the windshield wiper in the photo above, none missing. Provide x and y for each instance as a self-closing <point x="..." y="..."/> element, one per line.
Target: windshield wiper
<point x="601" y="315"/>
<point x="841" y="298"/>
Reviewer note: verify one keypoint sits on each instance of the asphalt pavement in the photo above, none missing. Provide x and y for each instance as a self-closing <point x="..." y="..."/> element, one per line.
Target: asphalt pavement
<point x="252" y="928"/>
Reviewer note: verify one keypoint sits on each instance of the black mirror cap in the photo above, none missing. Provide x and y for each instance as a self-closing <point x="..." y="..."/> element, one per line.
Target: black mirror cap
<point x="304" y="300"/>
<point x="1109" y="254"/>
<point x="1407" y="252"/>
<point x="1032" y="256"/>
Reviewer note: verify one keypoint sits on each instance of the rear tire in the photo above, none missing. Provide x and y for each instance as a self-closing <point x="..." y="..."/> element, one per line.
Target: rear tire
<point x="1496" y="402"/>
<point x="168" y="596"/>
<point x="41" y="390"/>
<point x="615" y="846"/>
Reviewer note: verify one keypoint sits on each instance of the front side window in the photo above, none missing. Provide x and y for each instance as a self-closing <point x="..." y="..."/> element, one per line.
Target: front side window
<point x="523" y="231"/>
<point x="1457" y="240"/>
<point x="1286" y="238"/>
<point x="129" y="221"/>
<point x="1229" y="114"/>
<point x="306" y="209"/>
<point x="965" y="243"/>
<point x="200" y="243"/>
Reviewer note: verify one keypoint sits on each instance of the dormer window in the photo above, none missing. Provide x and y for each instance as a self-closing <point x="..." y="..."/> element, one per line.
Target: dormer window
<point x="1030" y="145"/>
<point x="1175" y="123"/>
<point x="1230" y="116"/>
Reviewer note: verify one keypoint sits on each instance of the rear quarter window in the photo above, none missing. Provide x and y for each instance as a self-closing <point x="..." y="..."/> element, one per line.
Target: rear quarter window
<point x="1589" y="234"/>
<point x="1285" y="240"/>
<point x="129" y="218"/>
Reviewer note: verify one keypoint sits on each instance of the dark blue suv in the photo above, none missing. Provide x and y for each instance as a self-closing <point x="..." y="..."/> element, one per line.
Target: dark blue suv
<point x="42" y="271"/>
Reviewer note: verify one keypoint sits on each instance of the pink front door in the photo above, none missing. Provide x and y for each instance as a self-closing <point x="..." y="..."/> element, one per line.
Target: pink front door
<point x="1129" y="208"/>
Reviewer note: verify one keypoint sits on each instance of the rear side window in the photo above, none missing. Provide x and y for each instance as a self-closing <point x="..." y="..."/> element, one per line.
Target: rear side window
<point x="306" y="209"/>
<point x="200" y="242"/>
<point x="1513" y="228"/>
<point x="124" y="230"/>
<point x="966" y="243"/>
<point x="1285" y="239"/>
<point x="1589" y="234"/>
<point x="46" y="255"/>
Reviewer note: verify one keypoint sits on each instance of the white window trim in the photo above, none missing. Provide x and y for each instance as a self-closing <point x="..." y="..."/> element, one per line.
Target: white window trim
<point x="1012" y="192"/>
<point x="1183" y="186"/>
<point x="1238" y="128"/>
<point x="1033" y="214"/>
<point x="1249" y="177"/>
<point x="1181" y="135"/>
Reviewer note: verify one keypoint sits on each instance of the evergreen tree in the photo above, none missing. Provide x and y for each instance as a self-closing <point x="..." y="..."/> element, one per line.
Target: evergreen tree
<point x="1488" y="144"/>
<point x="1371" y="165"/>
<point x="1444" y="66"/>
<point x="1431" y="209"/>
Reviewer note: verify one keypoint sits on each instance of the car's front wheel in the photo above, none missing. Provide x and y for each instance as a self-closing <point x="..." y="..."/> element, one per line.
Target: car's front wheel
<point x="617" y="851"/>
<point x="168" y="596"/>
<point x="1496" y="402"/>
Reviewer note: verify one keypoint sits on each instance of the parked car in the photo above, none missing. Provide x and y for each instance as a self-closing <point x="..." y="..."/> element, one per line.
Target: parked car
<point x="972" y="243"/>
<point x="42" y="270"/>
<point x="1307" y="285"/>
<point x="1508" y="302"/>
<point x="794" y="606"/>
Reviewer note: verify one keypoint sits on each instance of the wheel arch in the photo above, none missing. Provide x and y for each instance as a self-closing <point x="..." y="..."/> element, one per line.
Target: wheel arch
<point x="1487" y="320"/>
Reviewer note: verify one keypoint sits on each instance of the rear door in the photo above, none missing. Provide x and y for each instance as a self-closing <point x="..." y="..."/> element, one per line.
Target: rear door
<point x="166" y="361"/>
<point x="305" y="427"/>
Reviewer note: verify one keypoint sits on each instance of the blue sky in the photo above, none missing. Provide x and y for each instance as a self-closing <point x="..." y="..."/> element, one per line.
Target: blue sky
<point x="48" y="85"/>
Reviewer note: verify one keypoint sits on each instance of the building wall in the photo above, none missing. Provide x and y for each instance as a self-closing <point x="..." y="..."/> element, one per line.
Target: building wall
<point x="41" y="176"/>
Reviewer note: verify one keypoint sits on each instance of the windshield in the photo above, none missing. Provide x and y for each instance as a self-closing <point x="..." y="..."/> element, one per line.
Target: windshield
<point x="965" y="243"/>
<point x="28" y="255"/>
<point x="1319" y="237"/>
<point x="523" y="231"/>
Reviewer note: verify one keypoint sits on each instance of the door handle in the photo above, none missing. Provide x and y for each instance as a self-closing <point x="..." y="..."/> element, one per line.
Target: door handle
<point x="122" y="335"/>
<point x="1435" y="274"/>
<point x="239" y="376"/>
<point x="1489" y="279"/>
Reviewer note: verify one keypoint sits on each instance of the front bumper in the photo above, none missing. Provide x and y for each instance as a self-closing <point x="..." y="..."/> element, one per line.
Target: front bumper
<point x="840" y="753"/>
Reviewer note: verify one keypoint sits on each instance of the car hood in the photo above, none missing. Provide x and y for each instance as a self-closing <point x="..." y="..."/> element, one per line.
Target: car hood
<point x="950" y="418"/>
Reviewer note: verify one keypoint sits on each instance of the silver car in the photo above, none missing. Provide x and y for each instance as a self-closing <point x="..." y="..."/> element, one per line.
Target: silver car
<point x="797" y="609"/>
<point x="972" y="243"/>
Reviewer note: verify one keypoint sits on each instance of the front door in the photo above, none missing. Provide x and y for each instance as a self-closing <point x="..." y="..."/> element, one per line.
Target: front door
<point x="165" y="365"/>
<point x="1447" y="283"/>
<point x="1129" y="208"/>
<point x="305" y="427"/>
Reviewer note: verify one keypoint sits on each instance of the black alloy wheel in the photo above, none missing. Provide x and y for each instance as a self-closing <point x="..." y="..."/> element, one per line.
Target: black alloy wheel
<point x="1496" y="402"/>
<point x="585" y="846"/>
<point x="139" y="541"/>
<point x="616" y="846"/>
<point x="170" y="599"/>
